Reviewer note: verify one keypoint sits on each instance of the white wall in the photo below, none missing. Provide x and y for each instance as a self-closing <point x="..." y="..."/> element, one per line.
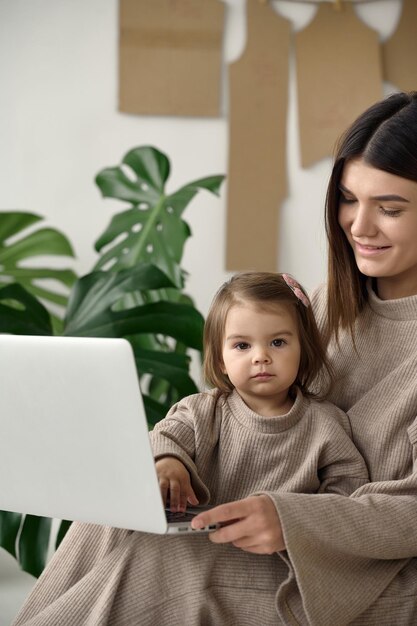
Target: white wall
<point x="59" y="126"/>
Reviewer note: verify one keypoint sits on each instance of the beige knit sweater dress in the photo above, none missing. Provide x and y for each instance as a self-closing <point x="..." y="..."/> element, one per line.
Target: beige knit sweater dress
<point x="107" y="576"/>
<point x="353" y="557"/>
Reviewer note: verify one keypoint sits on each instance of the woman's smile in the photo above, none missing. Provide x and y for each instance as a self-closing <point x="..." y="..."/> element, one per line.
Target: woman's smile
<point x="367" y="250"/>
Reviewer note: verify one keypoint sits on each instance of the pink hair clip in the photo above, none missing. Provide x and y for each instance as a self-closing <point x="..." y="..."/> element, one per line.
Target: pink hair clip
<point x="296" y="289"/>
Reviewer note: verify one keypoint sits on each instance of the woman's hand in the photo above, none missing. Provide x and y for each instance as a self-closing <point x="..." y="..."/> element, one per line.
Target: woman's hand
<point x="251" y="524"/>
<point x="174" y="479"/>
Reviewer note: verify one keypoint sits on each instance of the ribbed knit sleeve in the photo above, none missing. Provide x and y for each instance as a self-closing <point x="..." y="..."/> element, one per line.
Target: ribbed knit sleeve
<point x="352" y="558"/>
<point x="345" y="552"/>
<point x="176" y="435"/>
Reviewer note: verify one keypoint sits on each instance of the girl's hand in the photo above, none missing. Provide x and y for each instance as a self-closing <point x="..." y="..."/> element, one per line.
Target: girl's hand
<point x="251" y="524"/>
<point x="174" y="479"/>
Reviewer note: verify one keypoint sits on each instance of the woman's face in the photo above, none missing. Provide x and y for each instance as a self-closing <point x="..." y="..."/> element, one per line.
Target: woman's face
<point x="378" y="214"/>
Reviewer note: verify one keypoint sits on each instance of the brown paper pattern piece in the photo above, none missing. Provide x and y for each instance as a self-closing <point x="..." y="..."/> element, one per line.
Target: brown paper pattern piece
<point x="170" y="55"/>
<point x="399" y="53"/>
<point x="258" y="94"/>
<point x="339" y="75"/>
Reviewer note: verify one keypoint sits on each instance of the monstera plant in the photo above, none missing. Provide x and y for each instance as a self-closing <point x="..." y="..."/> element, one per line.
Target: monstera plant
<point x="135" y="290"/>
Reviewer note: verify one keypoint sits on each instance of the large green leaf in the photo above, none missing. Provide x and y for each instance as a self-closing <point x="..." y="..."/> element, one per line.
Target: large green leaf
<point x="179" y="321"/>
<point x="179" y="200"/>
<point x="150" y="166"/>
<point x="169" y="366"/>
<point x="62" y="531"/>
<point x="91" y="310"/>
<point x="18" y="246"/>
<point x="26" y="537"/>
<point x="154" y="236"/>
<point x="151" y="326"/>
<point x="21" y="313"/>
<point x="96" y="294"/>
<point x="152" y="230"/>
<point x="34" y="543"/>
<point x="9" y="529"/>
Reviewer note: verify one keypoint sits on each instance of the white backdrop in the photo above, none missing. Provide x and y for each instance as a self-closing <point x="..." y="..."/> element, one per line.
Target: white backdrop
<point x="59" y="126"/>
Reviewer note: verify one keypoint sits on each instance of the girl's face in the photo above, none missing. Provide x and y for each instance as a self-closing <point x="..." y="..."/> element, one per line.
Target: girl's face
<point x="261" y="355"/>
<point x="378" y="214"/>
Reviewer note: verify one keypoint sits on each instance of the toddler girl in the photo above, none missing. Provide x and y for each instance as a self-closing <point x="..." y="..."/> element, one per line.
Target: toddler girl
<point x="261" y="427"/>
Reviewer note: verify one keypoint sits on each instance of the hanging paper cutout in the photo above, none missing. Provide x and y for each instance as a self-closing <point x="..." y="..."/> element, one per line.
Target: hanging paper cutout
<point x="339" y="75"/>
<point x="258" y="94"/>
<point x="399" y="53"/>
<point x="170" y="56"/>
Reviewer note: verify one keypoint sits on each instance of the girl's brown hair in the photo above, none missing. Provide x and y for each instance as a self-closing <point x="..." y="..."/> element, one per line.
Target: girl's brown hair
<point x="385" y="137"/>
<point x="265" y="289"/>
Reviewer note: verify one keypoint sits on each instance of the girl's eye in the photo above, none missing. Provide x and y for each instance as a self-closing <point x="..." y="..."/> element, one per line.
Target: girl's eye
<point x="242" y="346"/>
<point x="390" y="212"/>
<point x="277" y="343"/>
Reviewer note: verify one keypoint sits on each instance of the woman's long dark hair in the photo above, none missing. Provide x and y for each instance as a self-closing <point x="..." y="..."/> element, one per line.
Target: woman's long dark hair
<point x="385" y="137"/>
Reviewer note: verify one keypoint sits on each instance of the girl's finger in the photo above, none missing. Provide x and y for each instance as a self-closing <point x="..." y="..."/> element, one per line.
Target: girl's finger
<point x="174" y="495"/>
<point x="191" y="497"/>
<point x="163" y="485"/>
<point x="182" y="502"/>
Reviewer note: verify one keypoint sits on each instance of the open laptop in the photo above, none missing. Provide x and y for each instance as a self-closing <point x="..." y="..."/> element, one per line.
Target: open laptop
<point x="74" y="439"/>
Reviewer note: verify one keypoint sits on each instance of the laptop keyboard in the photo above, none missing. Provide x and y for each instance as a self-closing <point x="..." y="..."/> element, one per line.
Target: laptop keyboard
<point x="179" y="516"/>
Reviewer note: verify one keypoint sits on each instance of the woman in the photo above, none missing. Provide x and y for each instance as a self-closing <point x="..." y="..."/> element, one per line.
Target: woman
<point x="349" y="560"/>
<point x="352" y="558"/>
